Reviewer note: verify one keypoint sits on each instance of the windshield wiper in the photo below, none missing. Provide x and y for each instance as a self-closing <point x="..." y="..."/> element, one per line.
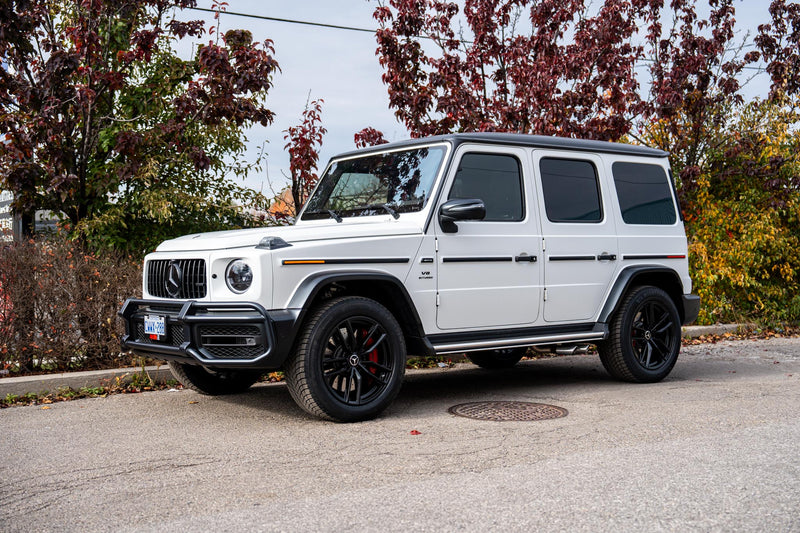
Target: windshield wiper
<point x="391" y="211"/>
<point x="385" y="207"/>
<point x="334" y="215"/>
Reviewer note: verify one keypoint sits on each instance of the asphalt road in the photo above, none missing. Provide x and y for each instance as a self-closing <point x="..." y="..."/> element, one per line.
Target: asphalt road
<point x="712" y="448"/>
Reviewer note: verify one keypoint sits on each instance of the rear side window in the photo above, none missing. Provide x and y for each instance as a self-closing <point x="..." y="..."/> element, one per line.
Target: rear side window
<point x="571" y="192"/>
<point x="495" y="179"/>
<point x="644" y="193"/>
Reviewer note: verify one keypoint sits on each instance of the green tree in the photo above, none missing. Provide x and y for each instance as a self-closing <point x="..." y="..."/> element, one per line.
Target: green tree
<point x="106" y="124"/>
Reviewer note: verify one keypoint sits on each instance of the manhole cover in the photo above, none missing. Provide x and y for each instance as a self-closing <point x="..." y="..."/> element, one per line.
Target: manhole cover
<point x="508" y="411"/>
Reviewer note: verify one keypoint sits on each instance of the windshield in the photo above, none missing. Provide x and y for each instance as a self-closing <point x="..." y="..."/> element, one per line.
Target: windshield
<point x="392" y="182"/>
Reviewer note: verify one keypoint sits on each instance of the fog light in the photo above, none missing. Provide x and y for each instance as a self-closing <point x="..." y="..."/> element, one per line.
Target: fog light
<point x="238" y="276"/>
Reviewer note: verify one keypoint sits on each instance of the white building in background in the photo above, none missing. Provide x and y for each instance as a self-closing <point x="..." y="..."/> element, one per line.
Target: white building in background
<point x="6" y="232"/>
<point x="45" y="221"/>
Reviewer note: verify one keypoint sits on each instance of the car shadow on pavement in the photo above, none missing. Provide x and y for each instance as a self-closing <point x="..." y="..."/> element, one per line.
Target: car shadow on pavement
<point x="527" y="378"/>
<point x="464" y="382"/>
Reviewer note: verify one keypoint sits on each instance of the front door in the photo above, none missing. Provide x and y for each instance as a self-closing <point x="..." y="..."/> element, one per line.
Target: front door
<point x="489" y="272"/>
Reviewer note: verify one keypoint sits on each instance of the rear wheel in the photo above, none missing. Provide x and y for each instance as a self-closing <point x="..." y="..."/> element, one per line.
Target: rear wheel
<point x="644" y="337"/>
<point x="349" y="361"/>
<point x="494" y="359"/>
<point x="213" y="382"/>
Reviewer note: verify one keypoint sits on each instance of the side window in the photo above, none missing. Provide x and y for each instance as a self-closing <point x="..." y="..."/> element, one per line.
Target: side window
<point x="495" y="179"/>
<point x="644" y="193"/>
<point x="571" y="190"/>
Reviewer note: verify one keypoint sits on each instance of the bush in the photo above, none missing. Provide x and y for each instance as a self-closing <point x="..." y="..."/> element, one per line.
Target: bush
<point x="58" y="306"/>
<point x="743" y="221"/>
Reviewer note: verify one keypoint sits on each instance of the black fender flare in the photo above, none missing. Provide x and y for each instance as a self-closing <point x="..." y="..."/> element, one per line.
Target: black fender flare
<point x="624" y="281"/>
<point x="310" y="287"/>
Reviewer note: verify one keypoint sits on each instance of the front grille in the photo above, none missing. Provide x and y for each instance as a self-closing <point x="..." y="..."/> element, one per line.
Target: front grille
<point x="192" y="282"/>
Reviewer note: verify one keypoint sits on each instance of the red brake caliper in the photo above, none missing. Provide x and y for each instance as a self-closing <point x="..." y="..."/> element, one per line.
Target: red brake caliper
<point x="373" y="355"/>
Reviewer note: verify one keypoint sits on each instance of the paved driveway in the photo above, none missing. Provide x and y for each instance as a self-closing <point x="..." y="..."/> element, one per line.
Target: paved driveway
<point x="713" y="447"/>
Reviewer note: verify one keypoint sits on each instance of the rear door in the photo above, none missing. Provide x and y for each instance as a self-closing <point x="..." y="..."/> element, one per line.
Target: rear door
<point x="579" y="234"/>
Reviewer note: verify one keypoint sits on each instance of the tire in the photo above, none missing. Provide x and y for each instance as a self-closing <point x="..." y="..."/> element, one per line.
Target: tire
<point x="644" y="337"/>
<point x="497" y="359"/>
<point x="349" y="361"/>
<point x="213" y="382"/>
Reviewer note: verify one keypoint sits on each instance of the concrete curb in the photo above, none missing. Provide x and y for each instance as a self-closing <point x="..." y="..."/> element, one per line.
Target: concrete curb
<point x="160" y="374"/>
<point x="692" y="332"/>
<point x="92" y="378"/>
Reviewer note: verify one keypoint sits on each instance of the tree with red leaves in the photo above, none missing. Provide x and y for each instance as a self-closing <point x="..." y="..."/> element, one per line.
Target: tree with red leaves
<point x="565" y="67"/>
<point x="695" y="66"/>
<point x="695" y="88"/>
<point x="779" y="43"/>
<point x="107" y="125"/>
<point x="369" y="137"/>
<point x="304" y="142"/>
<point x="557" y="71"/>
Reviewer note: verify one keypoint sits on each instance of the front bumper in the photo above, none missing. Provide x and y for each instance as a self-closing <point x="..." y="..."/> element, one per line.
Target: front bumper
<point x="231" y="335"/>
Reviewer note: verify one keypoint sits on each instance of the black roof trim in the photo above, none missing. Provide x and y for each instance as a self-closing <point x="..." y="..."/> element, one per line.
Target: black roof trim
<point x="518" y="139"/>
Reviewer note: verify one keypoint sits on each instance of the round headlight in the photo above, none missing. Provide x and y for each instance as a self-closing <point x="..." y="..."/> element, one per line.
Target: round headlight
<point x="238" y="276"/>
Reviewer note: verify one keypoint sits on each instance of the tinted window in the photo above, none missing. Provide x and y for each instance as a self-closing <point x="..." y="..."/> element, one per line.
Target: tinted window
<point x="644" y="193"/>
<point x="495" y="179"/>
<point x="571" y="192"/>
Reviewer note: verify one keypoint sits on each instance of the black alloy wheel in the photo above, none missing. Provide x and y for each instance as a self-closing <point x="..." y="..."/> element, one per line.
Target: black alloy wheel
<point x="653" y="335"/>
<point x="356" y="363"/>
<point x="644" y="337"/>
<point x="349" y="361"/>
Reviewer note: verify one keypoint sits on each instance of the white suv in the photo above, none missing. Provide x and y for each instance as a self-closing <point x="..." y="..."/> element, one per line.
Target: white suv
<point x="485" y="244"/>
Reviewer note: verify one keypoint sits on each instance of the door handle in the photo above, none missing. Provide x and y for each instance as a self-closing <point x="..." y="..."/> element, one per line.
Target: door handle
<point x="606" y="257"/>
<point x="525" y="259"/>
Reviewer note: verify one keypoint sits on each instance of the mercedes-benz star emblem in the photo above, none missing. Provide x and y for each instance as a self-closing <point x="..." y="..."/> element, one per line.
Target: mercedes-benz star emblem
<point x="174" y="279"/>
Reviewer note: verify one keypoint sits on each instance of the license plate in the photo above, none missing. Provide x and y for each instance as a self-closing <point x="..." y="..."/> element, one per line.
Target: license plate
<point x="155" y="325"/>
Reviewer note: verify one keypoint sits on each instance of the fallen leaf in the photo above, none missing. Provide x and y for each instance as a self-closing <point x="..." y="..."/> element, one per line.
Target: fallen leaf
<point x="414" y="432"/>
<point x="194" y="401"/>
<point x="46" y="407"/>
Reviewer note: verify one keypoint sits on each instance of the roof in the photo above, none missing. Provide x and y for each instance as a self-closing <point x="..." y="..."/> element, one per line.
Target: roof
<point x="520" y="139"/>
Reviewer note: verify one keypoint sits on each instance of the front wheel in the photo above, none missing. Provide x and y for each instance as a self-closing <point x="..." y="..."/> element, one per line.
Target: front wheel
<point x="349" y="361"/>
<point x="213" y="382"/>
<point x="644" y="337"/>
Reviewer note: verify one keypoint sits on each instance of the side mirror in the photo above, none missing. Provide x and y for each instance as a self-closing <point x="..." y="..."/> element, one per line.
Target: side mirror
<point x="458" y="209"/>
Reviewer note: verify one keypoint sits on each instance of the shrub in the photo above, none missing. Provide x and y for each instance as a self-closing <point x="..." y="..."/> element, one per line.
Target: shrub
<point x="743" y="220"/>
<point x="58" y="305"/>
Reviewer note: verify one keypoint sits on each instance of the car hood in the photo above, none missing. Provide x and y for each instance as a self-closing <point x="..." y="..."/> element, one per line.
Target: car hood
<point x="247" y="238"/>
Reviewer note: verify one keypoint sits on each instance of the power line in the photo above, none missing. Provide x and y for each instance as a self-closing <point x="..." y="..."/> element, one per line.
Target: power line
<point x="367" y="30"/>
<point x="289" y="21"/>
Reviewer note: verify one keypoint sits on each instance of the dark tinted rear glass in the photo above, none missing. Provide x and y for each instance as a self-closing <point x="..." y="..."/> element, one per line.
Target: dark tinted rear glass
<point x="571" y="192"/>
<point x="644" y="194"/>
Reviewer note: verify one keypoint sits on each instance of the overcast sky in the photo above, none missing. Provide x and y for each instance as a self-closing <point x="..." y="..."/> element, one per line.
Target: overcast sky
<point x="341" y="67"/>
